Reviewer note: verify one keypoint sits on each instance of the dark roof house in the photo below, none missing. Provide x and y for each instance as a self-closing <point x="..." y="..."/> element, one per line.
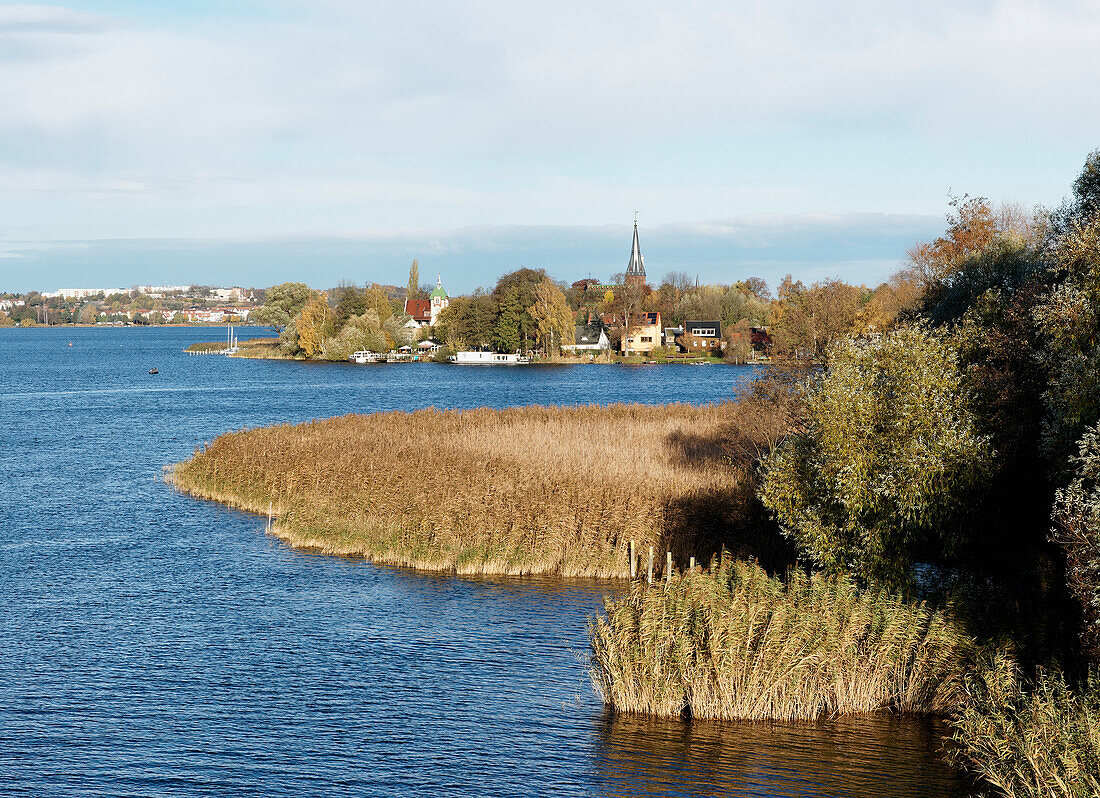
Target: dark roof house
<point x="591" y="336"/>
<point x="703" y="329"/>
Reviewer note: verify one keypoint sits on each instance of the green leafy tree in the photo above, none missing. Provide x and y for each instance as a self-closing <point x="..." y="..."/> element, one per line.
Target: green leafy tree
<point x="281" y="304"/>
<point x="376" y="300"/>
<point x="513" y="324"/>
<point x="887" y="461"/>
<point x="1077" y="531"/>
<point x="350" y="301"/>
<point x="414" y="280"/>
<point x="468" y="322"/>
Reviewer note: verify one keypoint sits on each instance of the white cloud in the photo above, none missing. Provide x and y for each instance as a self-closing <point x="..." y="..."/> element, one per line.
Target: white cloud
<point x="345" y="115"/>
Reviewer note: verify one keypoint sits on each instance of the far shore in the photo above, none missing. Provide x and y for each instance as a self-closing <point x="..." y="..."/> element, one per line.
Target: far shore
<point x="268" y="349"/>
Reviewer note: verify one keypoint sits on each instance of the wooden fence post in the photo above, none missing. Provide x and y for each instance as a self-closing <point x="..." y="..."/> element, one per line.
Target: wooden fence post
<point x="668" y="567"/>
<point x="691" y="564"/>
<point x="633" y="562"/>
<point x="651" y="565"/>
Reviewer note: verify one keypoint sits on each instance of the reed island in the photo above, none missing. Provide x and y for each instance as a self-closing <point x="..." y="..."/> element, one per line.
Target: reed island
<point x="533" y="490"/>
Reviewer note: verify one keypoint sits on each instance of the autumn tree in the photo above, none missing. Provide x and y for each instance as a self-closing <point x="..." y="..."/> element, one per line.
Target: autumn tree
<point x="375" y="299"/>
<point x="414" y="280"/>
<point x="313" y="325"/>
<point x="806" y="321"/>
<point x="971" y="225"/>
<point x="552" y="316"/>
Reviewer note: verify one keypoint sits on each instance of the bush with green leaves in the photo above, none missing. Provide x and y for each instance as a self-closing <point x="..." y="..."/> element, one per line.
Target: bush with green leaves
<point x="361" y="333"/>
<point x="1077" y="531"/>
<point x="886" y="461"/>
<point x="1041" y="739"/>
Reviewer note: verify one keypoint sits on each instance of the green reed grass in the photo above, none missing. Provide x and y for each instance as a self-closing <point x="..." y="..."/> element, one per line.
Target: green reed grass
<point x="1041" y="739"/>
<point x="733" y="642"/>
<point x="526" y="490"/>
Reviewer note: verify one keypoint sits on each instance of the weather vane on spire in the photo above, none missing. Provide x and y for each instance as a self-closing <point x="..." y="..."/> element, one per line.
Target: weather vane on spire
<point x="635" y="216"/>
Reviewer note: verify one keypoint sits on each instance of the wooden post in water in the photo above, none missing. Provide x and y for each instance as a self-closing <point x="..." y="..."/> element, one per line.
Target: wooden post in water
<point x="651" y="565"/>
<point x="668" y="567"/>
<point x="269" y="518"/>
<point x="633" y="562"/>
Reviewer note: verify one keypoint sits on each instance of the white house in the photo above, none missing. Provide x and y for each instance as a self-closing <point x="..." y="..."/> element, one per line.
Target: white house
<point x="589" y="338"/>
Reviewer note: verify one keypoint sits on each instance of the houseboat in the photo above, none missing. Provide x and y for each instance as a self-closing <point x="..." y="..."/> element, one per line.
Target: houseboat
<point x="487" y="359"/>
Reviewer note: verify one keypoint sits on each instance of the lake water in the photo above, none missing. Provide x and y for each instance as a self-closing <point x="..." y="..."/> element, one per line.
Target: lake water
<point x="158" y="645"/>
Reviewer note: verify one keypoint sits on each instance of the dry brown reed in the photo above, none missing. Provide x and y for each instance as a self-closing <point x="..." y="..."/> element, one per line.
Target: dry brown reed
<point x="528" y="490"/>
<point x="734" y="642"/>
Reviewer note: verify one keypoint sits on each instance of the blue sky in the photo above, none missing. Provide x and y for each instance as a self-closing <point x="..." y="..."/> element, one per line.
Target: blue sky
<point x="203" y="142"/>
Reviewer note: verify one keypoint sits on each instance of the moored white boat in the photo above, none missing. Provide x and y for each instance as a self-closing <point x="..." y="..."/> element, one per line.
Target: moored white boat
<point x="367" y="357"/>
<point x="488" y="359"/>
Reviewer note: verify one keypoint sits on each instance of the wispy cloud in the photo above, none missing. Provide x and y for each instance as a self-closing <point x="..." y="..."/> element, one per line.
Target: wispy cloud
<point x="856" y="247"/>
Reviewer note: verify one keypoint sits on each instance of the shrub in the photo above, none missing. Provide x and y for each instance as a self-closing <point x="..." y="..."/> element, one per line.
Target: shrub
<point x="886" y="461"/>
<point x="1077" y="531"/>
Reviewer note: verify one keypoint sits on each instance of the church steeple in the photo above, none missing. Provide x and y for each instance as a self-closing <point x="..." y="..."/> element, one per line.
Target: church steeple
<point x="635" y="270"/>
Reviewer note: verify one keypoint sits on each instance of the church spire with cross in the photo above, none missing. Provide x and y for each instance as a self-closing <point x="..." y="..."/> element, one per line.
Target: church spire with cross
<point x="635" y="270"/>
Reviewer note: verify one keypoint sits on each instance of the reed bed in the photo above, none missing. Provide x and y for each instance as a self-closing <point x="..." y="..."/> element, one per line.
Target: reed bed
<point x="733" y="642"/>
<point x="1037" y="741"/>
<point x="252" y="347"/>
<point x="522" y="491"/>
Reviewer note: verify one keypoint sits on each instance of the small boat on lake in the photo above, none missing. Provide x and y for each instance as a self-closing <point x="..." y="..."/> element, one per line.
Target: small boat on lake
<point x="153" y="370"/>
<point x="488" y="359"/>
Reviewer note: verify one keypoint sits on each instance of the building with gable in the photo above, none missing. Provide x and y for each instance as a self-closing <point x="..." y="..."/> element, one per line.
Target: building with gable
<point x="642" y="334"/>
<point x="424" y="312"/>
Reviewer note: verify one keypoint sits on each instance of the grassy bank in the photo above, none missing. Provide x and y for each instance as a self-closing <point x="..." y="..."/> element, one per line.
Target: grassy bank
<point x="528" y="490"/>
<point x="734" y="642"/>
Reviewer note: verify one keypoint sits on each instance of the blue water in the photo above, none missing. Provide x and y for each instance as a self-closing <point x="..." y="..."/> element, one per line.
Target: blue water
<point x="158" y="645"/>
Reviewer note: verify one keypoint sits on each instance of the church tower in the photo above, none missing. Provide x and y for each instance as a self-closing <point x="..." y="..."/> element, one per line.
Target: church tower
<point x="635" y="270"/>
<point x="438" y="298"/>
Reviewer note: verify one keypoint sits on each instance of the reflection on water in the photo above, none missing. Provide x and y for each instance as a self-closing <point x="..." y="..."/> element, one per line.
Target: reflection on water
<point x="880" y="755"/>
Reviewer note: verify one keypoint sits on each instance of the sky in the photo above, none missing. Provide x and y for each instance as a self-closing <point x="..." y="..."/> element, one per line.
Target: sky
<point x="336" y="140"/>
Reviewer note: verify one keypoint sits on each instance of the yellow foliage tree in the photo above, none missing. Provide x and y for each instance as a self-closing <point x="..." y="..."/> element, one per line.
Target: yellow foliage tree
<point x="552" y="316"/>
<point x="311" y="324"/>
